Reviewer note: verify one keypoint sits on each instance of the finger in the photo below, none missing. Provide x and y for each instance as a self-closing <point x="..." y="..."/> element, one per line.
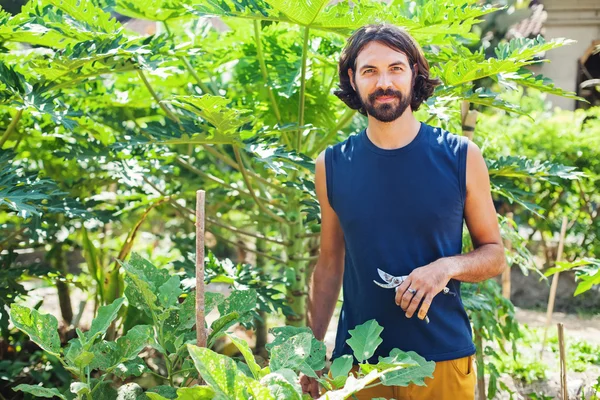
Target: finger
<point x="406" y="299"/>
<point x="400" y="290"/>
<point x="314" y="388"/>
<point x="414" y="303"/>
<point x="304" y="384"/>
<point x="425" y="306"/>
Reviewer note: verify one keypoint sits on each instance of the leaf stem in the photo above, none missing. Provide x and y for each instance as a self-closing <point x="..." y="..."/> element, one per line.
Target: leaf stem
<point x="227" y="160"/>
<point x="249" y="186"/>
<point x="265" y="75"/>
<point x="211" y="221"/>
<point x="344" y="120"/>
<point x="260" y="253"/>
<point x="213" y="178"/>
<point x="188" y="65"/>
<point x="11" y="127"/>
<point x="302" y="90"/>
<point x="158" y="100"/>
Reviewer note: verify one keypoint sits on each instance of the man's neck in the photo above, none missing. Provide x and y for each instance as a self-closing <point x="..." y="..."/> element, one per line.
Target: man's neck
<point x="395" y="134"/>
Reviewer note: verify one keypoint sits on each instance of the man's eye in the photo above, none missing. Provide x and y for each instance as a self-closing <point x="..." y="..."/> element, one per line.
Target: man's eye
<point x="368" y="70"/>
<point x="397" y="68"/>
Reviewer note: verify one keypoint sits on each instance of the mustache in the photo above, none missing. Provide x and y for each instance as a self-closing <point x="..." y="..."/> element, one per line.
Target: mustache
<point x="384" y="93"/>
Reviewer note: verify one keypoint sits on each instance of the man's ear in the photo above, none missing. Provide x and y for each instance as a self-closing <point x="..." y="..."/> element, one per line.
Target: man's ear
<point x="351" y="76"/>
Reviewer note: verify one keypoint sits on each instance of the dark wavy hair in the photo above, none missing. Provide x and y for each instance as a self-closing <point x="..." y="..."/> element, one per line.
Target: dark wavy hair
<point x="397" y="39"/>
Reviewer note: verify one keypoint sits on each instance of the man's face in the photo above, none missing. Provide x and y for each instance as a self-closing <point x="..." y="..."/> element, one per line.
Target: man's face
<point x="383" y="81"/>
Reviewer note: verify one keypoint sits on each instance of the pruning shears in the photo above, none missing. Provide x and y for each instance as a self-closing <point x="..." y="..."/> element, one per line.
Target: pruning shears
<point x="393" y="282"/>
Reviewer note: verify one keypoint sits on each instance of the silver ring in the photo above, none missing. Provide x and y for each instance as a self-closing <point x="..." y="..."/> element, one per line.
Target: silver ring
<point x="411" y="290"/>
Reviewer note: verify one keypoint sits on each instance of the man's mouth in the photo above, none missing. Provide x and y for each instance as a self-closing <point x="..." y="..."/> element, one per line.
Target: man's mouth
<point x="385" y="99"/>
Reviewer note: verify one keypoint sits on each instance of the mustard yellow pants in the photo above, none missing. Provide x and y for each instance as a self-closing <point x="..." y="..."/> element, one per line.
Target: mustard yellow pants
<point x="452" y="380"/>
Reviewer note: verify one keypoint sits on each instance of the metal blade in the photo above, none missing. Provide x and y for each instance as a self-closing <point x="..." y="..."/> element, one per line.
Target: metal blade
<point x="386" y="285"/>
<point x="385" y="276"/>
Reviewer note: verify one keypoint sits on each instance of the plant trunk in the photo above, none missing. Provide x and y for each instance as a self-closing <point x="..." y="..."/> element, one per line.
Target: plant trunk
<point x="64" y="297"/>
<point x="296" y="291"/>
<point x="260" y="324"/>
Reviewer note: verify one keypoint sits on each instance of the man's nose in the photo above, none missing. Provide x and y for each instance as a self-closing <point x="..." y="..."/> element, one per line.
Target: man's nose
<point x="384" y="81"/>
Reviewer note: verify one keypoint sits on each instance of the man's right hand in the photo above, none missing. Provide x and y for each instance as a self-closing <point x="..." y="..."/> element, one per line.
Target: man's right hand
<point x="310" y="385"/>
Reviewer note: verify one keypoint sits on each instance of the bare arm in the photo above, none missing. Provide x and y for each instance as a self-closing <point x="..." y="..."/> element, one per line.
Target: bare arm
<point x="486" y="261"/>
<point x="326" y="280"/>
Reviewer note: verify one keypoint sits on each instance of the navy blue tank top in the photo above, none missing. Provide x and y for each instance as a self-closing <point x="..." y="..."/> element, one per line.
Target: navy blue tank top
<point x="400" y="209"/>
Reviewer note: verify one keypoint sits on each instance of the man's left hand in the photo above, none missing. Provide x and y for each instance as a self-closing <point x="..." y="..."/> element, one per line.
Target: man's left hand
<point x="423" y="284"/>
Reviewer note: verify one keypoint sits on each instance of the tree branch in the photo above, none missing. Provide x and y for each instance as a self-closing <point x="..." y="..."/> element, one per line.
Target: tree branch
<point x="266" y="255"/>
<point x="11" y="127"/>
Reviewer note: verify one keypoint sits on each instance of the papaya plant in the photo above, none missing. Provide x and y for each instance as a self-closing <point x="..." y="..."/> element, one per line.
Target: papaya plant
<point x="294" y="350"/>
<point x="157" y="294"/>
<point x="170" y="314"/>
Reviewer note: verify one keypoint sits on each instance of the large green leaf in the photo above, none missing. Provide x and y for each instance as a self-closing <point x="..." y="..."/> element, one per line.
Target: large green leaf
<point x="214" y="110"/>
<point x="106" y="315"/>
<point x="243" y="347"/>
<point x="39" y="391"/>
<point x="59" y="23"/>
<point x="341" y="366"/>
<point x="365" y="339"/>
<point x="251" y="9"/>
<point x="143" y="280"/>
<point x="152" y="10"/>
<point x="220" y="325"/>
<point x="240" y="301"/>
<point x="526" y="49"/>
<point x="283" y="385"/>
<point x="41" y="328"/>
<point x="218" y="371"/>
<point x="292" y="353"/>
<point x="188" y="393"/>
<point x="527" y="78"/>
<point x="169" y="292"/>
<point x="108" y="355"/>
<point x="405" y="376"/>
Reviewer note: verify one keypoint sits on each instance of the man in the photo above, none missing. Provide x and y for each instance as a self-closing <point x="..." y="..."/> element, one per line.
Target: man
<point x="394" y="197"/>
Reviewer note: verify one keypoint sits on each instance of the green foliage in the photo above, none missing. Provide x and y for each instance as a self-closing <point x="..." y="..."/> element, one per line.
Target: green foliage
<point x="41" y="328"/>
<point x="365" y="340"/>
<point x="587" y="272"/>
<point x="39" y="391"/>
<point x="293" y="350"/>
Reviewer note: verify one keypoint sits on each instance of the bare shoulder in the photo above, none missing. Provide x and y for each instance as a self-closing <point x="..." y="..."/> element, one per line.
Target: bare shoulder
<point x="477" y="172"/>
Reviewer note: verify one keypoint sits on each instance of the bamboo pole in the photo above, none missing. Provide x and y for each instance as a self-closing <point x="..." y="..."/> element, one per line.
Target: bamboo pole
<point x="200" y="317"/>
<point x="550" y="310"/>
<point x="506" y="272"/>
<point x="563" y="362"/>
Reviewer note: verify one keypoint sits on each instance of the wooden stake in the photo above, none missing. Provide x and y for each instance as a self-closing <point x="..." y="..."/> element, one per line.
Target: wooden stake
<point x="506" y="273"/>
<point x="550" y="310"/>
<point x="481" y="395"/>
<point x="468" y="119"/>
<point x="200" y="317"/>
<point x="563" y="362"/>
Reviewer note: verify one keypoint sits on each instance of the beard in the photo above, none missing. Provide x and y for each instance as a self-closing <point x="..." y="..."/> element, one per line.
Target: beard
<point x="386" y="112"/>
